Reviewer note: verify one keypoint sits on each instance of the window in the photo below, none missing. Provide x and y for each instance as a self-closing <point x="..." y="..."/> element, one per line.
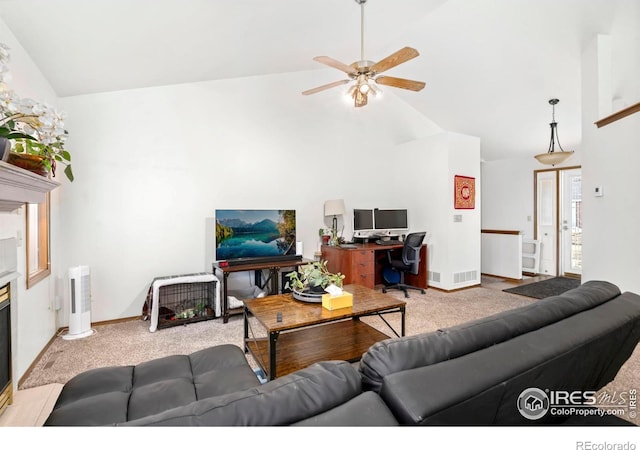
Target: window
<point x="38" y="266"/>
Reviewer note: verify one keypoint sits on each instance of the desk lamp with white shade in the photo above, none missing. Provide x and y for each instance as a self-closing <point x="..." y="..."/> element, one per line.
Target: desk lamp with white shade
<point x="334" y="208"/>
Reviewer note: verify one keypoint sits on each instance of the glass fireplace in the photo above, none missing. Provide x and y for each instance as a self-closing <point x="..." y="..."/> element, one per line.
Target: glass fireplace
<point x="6" y="386"/>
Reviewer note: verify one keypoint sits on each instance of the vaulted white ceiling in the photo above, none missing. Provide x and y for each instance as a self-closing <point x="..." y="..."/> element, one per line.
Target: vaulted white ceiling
<point x="490" y="65"/>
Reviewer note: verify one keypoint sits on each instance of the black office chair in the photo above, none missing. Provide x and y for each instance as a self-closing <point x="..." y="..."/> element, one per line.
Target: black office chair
<point x="407" y="263"/>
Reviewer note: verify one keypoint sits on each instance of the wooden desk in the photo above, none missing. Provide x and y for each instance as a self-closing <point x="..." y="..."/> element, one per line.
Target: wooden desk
<point x="363" y="265"/>
<point x="274" y="276"/>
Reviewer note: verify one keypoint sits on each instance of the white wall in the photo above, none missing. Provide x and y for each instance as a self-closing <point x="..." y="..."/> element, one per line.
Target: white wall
<point x="152" y="165"/>
<point x="502" y="255"/>
<point x="611" y="71"/>
<point x="32" y="311"/>
<point x="507" y="194"/>
<point x="453" y="247"/>
<point x="463" y="249"/>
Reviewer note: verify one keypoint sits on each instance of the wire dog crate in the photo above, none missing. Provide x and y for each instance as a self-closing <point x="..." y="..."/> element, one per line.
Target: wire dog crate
<point x="185" y="302"/>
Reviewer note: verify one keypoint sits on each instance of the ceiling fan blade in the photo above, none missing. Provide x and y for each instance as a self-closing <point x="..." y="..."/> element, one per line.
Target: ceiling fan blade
<point x="401" y="83"/>
<point x="325" y="87"/>
<point x="336" y="64"/>
<point x="402" y="55"/>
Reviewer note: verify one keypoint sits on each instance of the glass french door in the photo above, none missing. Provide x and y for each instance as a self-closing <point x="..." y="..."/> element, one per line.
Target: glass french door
<point x="571" y="222"/>
<point x="547" y="220"/>
<point x="559" y="221"/>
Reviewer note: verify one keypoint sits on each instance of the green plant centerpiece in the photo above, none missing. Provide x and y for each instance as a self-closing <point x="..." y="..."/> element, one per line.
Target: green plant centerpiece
<point x="308" y="283"/>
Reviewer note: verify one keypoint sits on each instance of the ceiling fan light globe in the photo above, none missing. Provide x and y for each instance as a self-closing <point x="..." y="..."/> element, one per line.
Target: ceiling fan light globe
<point x="364" y="88"/>
<point x="374" y="88"/>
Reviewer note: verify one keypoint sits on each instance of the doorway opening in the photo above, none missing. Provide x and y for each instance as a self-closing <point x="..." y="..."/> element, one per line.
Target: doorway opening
<point x="558" y="220"/>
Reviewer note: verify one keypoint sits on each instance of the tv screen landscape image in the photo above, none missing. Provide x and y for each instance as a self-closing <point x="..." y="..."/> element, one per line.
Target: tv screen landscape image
<point x="255" y="233"/>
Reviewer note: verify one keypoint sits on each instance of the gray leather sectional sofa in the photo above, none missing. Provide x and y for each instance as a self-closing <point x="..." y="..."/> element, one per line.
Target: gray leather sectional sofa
<point x="492" y="371"/>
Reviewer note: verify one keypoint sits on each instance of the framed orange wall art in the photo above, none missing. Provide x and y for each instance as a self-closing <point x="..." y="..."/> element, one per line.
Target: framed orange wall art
<point x="464" y="194"/>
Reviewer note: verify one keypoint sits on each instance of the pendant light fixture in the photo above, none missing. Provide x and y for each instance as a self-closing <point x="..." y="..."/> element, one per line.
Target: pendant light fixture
<point x="552" y="157"/>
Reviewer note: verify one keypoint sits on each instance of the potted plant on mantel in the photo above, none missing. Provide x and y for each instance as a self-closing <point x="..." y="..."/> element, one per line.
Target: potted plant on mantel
<point x="308" y="283"/>
<point x="32" y="134"/>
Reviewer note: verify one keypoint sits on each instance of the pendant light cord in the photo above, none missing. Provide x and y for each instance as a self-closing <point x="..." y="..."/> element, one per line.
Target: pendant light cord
<point x="554" y="129"/>
<point x="362" y="31"/>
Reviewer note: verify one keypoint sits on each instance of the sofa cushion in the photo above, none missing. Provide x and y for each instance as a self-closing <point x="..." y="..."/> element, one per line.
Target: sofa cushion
<point x="583" y="352"/>
<point x="409" y="352"/>
<point x="119" y="394"/>
<point x="283" y="401"/>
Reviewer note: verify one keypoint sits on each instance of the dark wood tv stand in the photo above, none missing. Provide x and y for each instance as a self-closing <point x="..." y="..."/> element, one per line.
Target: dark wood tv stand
<point x="363" y="264"/>
<point x="273" y="279"/>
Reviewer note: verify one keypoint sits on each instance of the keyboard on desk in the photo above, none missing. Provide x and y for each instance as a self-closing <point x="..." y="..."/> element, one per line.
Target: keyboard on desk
<point x="388" y="242"/>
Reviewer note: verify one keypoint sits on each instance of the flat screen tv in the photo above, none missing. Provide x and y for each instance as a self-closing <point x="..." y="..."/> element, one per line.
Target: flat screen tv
<point x="255" y="233"/>
<point x="390" y="219"/>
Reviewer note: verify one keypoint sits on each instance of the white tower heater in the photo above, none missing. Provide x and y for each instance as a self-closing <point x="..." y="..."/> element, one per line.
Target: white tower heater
<point x="80" y="303"/>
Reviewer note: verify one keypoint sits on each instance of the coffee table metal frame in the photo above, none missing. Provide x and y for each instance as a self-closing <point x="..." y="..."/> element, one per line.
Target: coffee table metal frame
<point x="309" y="333"/>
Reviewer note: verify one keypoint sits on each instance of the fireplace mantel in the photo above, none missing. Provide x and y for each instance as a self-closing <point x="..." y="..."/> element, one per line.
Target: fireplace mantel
<point x="19" y="186"/>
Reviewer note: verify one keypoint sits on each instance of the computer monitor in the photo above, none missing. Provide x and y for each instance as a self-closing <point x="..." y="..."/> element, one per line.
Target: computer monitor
<point x="390" y="219"/>
<point x="363" y="220"/>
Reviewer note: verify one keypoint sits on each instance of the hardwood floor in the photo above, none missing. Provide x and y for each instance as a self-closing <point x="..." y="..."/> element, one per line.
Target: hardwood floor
<point x="30" y="407"/>
<point x="499" y="283"/>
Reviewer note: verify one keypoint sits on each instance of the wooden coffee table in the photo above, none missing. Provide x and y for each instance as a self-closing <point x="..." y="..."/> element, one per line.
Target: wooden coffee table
<point x="296" y="334"/>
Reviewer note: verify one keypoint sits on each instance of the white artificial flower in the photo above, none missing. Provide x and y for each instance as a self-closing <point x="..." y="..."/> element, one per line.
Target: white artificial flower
<point x="4" y="53"/>
<point x="26" y="106"/>
<point x="9" y="102"/>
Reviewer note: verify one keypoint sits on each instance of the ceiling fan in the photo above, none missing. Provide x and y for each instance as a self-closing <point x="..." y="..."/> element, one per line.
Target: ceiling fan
<point x="366" y="73"/>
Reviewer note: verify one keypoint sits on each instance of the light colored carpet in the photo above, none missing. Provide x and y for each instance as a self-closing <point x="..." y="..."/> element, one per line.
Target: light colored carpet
<point x="131" y="342"/>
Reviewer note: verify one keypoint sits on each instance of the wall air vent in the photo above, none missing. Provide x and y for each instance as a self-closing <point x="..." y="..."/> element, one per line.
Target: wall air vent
<point x="463" y="277"/>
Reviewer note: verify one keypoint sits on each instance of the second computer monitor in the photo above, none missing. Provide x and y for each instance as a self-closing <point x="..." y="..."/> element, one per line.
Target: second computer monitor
<point x="390" y="219"/>
<point x="363" y="220"/>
